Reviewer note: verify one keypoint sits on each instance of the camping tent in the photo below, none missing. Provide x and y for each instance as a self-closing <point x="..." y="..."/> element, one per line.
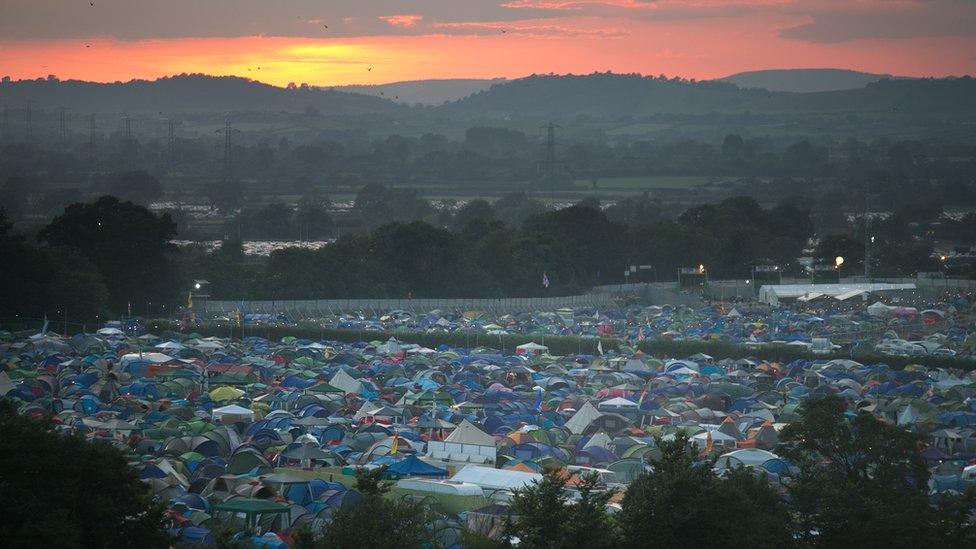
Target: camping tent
<point x="531" y="348"/>
<point x="466" y="443"/>
<point x="233" y="414"/>
<point x="412" y="466"/>
<point x="496" y="479"/>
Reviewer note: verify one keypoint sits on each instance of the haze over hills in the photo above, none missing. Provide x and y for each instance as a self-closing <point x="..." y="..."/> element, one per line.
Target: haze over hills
<point x="425" y="92"/>
<point x="193" y="93"/>
<point x="598" y="96"/>
<point x="615" y="95"/>
<point x="804" y="80"/>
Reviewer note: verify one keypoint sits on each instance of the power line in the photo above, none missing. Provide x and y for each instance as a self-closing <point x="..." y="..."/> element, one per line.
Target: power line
<point x="228" y="133"/>
<point x="549" y="166"/>
<point x="63" y="125"/>
<point x="91" y="137"/>
<point x="170" y="136"/>
<point x="28" y="121"/>
<point x="128" y="144"/>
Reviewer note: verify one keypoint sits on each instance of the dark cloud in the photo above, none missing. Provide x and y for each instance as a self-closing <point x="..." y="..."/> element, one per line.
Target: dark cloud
<point x="827" y="21"/>
<point x="148" y="19"/>
<point x="886" y="20"/>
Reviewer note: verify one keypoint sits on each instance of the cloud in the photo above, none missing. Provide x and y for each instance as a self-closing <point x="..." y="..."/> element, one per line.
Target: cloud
<point x="538" y="29"/>
<point x="664" y="6"/>
<point x="404" y="21"/>
<point x="558" y="5"/>
<point x="898" y="19"/>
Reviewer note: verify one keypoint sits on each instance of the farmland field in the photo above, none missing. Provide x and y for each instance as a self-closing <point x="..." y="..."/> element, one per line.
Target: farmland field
<point x="640" y="128"/>
<point x="646" y="183"/>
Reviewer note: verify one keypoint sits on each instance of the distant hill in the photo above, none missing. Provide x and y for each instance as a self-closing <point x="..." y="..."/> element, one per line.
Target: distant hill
<point x="192" y="93"/>
<point x="598" y="96"/>
<point x="804" y="80"/>
<point x="425" y="92"/>
<point x="614" y="96"/>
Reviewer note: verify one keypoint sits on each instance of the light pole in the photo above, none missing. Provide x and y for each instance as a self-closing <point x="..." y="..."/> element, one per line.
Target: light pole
<point x="945" y="275"/>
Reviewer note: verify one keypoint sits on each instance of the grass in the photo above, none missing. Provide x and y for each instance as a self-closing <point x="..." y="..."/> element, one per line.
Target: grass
<point x="640" y="128"/>
<point x="644" y="183"/>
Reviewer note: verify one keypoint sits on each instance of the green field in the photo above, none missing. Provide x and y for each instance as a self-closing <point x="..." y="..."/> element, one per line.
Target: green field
<point x="640" y="128"/>
<point x="645" y="183"/>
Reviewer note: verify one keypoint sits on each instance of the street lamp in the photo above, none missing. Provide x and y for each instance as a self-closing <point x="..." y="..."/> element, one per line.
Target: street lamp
<point x="838" y="261"/>
<point x="945" y="274"/>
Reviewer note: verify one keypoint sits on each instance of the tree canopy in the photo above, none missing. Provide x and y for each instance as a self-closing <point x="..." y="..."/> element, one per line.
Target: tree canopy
<point x="64" y="491"/>
<point x="127" y="244"/>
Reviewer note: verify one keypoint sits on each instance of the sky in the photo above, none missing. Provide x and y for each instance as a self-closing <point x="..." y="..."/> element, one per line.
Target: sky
<point x="333" y="42"/>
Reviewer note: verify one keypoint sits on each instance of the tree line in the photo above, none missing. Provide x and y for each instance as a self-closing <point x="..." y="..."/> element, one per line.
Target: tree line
<point x="112" y="257"/>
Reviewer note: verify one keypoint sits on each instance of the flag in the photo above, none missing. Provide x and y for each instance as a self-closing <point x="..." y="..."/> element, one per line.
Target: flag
<point x="709" y="444"/>
<point x="641" y="399"/>
<point x="538" y="402"/>
<point x="640" y="334"/>
<point x="545" y="280"/>
<point x="395" y="445"/>
<point x="599" y="346"/>
<point x="46" y="322"/>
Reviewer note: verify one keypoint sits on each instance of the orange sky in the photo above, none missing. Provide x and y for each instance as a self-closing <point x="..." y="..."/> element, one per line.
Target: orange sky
<point x="405" y="46"/>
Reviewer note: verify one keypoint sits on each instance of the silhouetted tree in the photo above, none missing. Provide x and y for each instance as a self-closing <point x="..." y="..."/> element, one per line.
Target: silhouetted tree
<point x="70" y="492"/>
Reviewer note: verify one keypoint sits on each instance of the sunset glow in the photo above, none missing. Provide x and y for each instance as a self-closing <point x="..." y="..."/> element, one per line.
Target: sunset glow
<point x="696" y="39"/>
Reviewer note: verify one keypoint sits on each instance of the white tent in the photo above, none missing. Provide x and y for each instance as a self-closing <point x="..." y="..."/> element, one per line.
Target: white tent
<point x="617" y="405"/>
<point x="879" y="309"/>
<point x="908" y="416"/>
<point x="600" y="439"/>
<point x="531" y="348"/>
<point x="469" y="433"/>
<point x="366" y="409"/>
<point x="496" y="479"/>
<point x="233" y="414"/>
<point x="718" y="438"/>
<point x="208" y="346"/>
<point x="157" y="358"/>
<point x="344" y="381"/>
<point x="773" y="293"/>
<point x="109" y="332"/>
<point x="582" y="418"/>
<point x="467" y="443"/>
<point x="847" y="295"/>
<point x="5" y="384"/>
<point x="391" y="347"/>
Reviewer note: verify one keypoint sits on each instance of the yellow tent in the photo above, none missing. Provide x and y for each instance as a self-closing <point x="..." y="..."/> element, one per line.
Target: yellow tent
<point x="222" y="394"/>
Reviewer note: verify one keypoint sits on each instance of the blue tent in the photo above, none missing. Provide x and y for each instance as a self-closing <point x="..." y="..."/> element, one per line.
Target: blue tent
<point x="411" y="466"/>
